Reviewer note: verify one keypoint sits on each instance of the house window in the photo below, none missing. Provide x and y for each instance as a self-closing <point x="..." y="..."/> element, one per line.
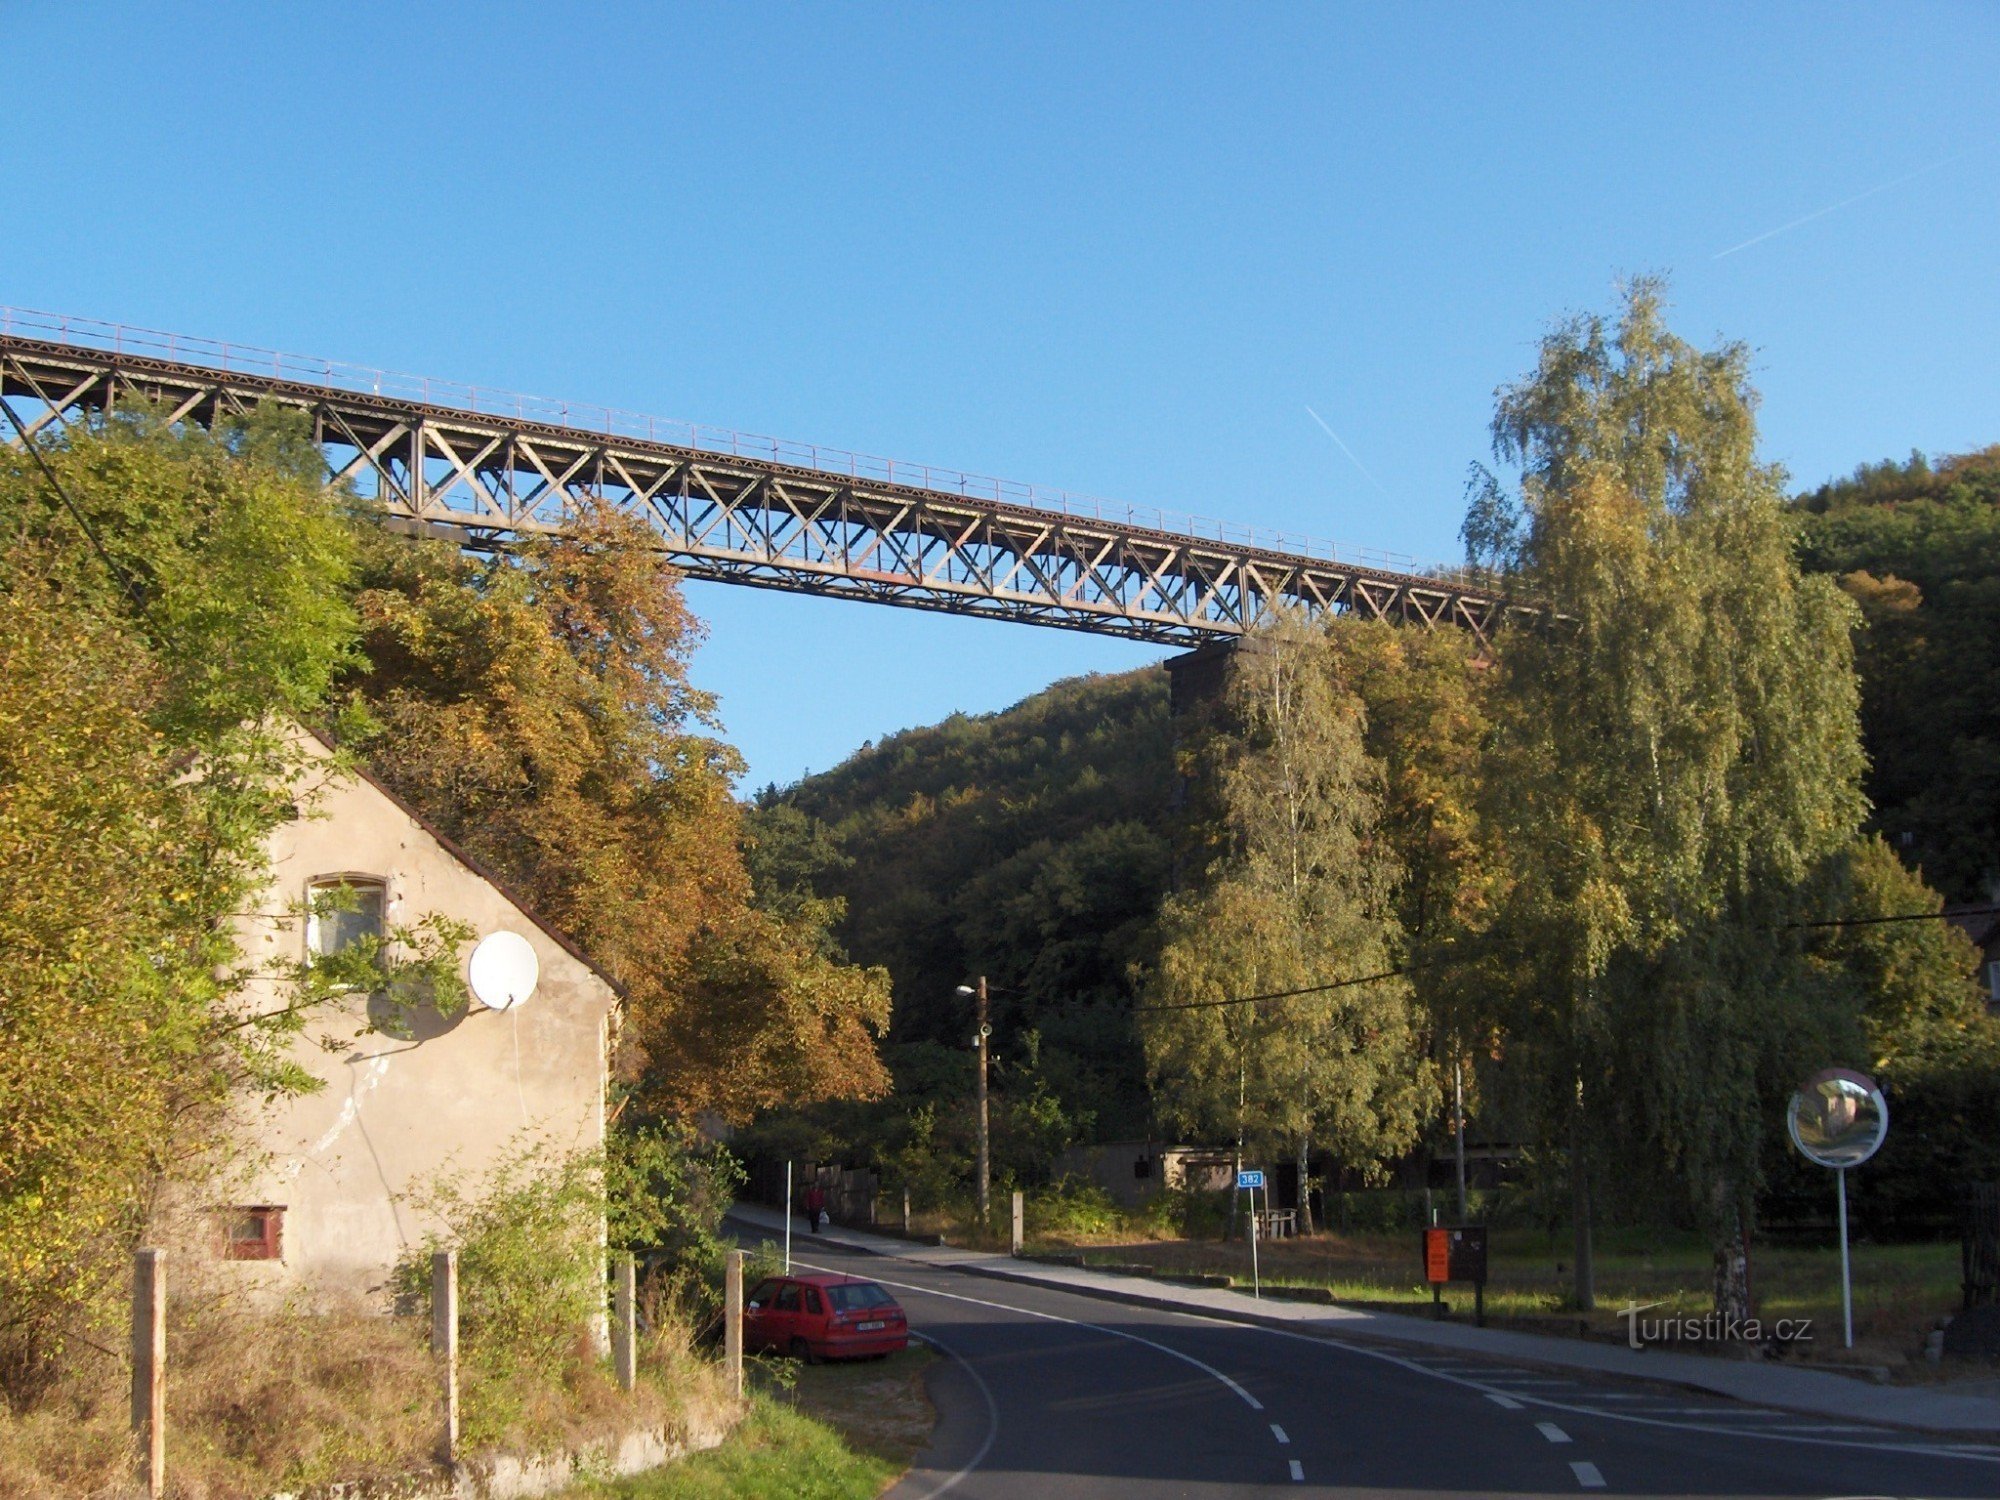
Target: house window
<point x="253" y="1232"/>
<point x="343" y="911"/>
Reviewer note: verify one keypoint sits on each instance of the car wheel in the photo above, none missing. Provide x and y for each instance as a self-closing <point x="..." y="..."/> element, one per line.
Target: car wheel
<point x="803" y="1352"/>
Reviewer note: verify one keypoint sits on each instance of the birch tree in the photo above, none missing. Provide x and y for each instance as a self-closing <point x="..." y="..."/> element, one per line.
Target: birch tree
<point x="1677" y="761"/>
<point x="1299" y="895"/>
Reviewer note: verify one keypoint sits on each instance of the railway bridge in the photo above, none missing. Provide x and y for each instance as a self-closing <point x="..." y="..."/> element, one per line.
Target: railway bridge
<point x="481" y="466"/>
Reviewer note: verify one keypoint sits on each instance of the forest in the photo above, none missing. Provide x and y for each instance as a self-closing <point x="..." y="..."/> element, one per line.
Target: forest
<point x="1917" y="545"/>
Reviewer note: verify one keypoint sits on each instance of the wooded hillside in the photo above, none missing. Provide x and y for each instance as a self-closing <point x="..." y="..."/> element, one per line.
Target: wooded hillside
<point x="1917" y="545"/>
<point x="1031" y="846"/>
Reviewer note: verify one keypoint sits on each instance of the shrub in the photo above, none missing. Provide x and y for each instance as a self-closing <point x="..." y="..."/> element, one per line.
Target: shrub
<point x="531" y="1280"/>
<point x="667" y="1188"/>
<point x="1073" y="1208"/>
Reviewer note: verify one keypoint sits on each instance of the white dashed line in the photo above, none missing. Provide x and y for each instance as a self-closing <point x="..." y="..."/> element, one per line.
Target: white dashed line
<point x="1587" y="1476"/>
<point x="1885" y="1443"/>
<point x="1298" y="1472"/>
<point x="1279" y="1433"/>
<point x="1552" y="1432"/>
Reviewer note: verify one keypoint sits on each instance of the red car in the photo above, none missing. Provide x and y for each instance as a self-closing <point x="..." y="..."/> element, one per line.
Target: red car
<point x="824" y="1317"/>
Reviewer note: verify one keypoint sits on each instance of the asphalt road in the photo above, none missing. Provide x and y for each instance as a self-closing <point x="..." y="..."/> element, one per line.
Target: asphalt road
<point x="1046" y="1395"/>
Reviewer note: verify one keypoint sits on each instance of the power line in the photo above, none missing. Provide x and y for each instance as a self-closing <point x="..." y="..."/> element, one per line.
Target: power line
<point x="1912" y="916"/>
<point x="1341" y="984"/>
<point x="1311" y="989"/>
<point x="125" y="580"/>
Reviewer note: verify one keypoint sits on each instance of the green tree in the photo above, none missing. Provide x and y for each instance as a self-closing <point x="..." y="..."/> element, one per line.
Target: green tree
<point x="168" y="599"/>
<point x="1427" y="723"/>
<point x="1677" y="757"/>
<point x="1300" y="893"/>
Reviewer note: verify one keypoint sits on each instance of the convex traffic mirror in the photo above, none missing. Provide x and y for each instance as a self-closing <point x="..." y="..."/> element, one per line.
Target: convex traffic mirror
<point x="1838" y="1118"/>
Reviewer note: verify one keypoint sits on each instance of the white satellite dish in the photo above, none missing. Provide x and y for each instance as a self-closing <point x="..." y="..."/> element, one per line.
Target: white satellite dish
<point x="503" y="970"/>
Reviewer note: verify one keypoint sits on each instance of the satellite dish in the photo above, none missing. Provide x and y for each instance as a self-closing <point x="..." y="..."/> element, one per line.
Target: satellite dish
<point x="503" y="970"/>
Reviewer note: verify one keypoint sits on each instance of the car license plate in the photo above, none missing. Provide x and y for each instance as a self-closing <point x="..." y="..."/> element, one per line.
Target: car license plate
<point x="870" y="1327"/>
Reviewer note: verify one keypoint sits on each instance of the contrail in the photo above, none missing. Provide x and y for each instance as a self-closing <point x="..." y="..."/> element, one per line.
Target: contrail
<point x="1821" y="213"/>
<point x="1350" y="455"/>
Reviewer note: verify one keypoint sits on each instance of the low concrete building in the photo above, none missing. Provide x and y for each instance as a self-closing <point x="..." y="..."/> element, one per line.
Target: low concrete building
<point x="1982" y="925"/>
<point x="323" y="1202"/>
<point x="1133" y="1171"/>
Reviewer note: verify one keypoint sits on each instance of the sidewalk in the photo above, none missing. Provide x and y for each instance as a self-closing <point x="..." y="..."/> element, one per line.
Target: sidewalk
<point x="1808" y="1391"/>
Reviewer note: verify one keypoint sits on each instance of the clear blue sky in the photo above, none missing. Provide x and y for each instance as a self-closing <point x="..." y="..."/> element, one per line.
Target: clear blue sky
<point x="1119" y="249"/>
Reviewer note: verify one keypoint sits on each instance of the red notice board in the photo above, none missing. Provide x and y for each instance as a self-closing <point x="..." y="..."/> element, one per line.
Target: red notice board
<point x="1437" y="1255"/>
<point x="1455" y="1252"/>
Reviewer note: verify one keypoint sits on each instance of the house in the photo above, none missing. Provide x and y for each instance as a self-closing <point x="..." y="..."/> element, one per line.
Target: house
<point x="1982" y="925"/>
<point x="323" y="1202"/>
<point x="1133" y="1171"/>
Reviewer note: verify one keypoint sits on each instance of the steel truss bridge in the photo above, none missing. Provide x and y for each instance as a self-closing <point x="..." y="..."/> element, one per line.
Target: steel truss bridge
<point x="482" y="467"/>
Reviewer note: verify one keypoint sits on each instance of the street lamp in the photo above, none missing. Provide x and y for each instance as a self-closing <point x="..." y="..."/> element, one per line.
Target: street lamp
<point x="979" y="1045"/>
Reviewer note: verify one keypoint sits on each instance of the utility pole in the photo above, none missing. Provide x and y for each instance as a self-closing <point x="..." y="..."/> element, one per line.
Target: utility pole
<point x="1458" y="1127"/>
<point x="985" y="1140"/>
<point x="982" y="1035"/>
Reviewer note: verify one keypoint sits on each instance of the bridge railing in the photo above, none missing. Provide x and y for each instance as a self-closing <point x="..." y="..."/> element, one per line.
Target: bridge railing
<point x="605" y="421"/>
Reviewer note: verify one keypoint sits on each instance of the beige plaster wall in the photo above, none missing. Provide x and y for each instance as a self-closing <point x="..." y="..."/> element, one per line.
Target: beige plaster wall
<point x="394" y="1112"/>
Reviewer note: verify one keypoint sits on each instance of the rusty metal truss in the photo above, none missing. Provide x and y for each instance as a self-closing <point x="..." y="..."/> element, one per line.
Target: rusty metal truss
<point x="459" y="462"/>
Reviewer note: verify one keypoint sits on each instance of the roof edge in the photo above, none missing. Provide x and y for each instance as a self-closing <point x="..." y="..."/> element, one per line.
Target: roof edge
<point x="471" y="862"/>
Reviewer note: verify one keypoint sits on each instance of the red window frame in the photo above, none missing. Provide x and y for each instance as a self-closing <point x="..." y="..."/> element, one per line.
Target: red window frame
<point x="267" y="1243"/>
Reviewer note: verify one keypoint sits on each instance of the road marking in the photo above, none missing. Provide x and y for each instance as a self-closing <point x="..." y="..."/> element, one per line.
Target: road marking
<point x="992" y="1417"/>
<point x="1769" y="1435"/>
<point x="1414" y="1366"/>
<point x="1028" y="1312"/>
<point x="1298" y="1472"/>
<point x="1279" y="1433"/>
<point x="1552" y="1432"/>
<point x="1587" y="1476"/>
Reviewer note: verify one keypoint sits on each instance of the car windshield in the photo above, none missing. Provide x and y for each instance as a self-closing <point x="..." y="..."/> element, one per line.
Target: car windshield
<point x="858" y="1295"/>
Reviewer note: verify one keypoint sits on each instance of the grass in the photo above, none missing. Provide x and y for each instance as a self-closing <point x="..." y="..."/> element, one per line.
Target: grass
<point x="262" y="1401"/>
<point x="815" y="1432"/>
<point x="877" y="1406"/>
<point x="776" y="1451"/>
<point x="1899" y="1290"/>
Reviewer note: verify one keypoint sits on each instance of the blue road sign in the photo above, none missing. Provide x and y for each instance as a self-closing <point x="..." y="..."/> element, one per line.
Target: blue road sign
<point x="1249" y="1179"/>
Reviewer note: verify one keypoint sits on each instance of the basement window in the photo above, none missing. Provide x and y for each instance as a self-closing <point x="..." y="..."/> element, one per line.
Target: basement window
<point x="253" y="1232"/>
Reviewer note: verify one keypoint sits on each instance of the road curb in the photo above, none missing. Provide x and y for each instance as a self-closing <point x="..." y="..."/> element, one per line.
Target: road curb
<point x="1390" y="1343"/>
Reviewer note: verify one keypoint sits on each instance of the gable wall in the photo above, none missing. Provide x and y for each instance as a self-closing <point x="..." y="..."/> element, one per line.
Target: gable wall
<point x="460" y="1094"/>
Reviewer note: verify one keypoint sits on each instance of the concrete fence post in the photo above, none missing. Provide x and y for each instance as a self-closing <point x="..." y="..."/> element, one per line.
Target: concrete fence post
<point x="732" y="1322"/>
<point x="906" y="1210"/>
<point x="444" y="1344"/>
<point x="625" y="1323"/>
<point x="149" y="1367"/>
<point x="1019" y="1236"/>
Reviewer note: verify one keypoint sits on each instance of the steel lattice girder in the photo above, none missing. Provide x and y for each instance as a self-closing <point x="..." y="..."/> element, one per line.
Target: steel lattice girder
<point x="481" y="478"/>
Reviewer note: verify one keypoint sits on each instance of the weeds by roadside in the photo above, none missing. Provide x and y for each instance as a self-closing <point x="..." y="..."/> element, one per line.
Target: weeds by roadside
<point x="776" y="1451"/>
